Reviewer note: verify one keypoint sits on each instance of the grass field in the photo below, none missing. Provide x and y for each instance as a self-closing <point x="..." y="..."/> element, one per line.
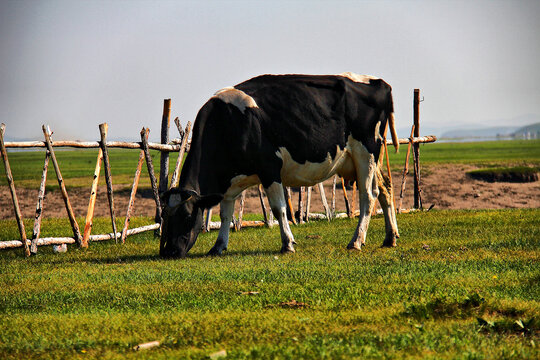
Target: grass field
<point x="451" y="272"/>
<point x="460" y="284"/>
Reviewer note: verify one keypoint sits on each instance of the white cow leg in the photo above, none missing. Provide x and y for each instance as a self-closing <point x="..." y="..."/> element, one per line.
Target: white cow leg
<point x="277" y="202"/>
<point x="389" y="211"/>
<point x="226" y="213"/>
<point x="367" y="193"/>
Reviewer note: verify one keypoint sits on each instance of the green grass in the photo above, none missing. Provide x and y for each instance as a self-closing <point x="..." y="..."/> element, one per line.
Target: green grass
<point x="426" y="298"/>
<point x="77" y="166"/>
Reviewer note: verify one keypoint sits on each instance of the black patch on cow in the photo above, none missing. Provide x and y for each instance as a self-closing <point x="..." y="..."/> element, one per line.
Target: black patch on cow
<point x="308" y="115"/>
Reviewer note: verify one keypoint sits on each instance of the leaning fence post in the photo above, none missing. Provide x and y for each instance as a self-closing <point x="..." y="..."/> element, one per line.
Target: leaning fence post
<point x="241" y="210"/>
<point x="308" y="203"/>
<point x="183" y="145"/>
<point x="346" y="198"/>
<point x="416" y="150"/>
<point x="153" y="182"/>
<point x="266" y="216"/>
<point x="108" y="178"/>
<point x="9" y="176"/>
<point x="92" y="202"/>
<point x="132" y="196"/>
<point x="290" y="210"/>
<point x="69" y="209"/>
<point x="39" y="206"/>
<point x="334" y="196"/>
<point x="324" y="201"/>
<point x="301" y="194"/>
<point x="405" y="171"/>
<point x="164" y="158"/>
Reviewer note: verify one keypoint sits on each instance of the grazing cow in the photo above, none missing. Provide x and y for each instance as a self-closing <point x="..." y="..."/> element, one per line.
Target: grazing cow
<point x="282" y="130"/>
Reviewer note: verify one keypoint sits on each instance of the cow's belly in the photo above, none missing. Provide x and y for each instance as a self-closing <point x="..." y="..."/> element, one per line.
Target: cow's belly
<point x="308" y="174"/>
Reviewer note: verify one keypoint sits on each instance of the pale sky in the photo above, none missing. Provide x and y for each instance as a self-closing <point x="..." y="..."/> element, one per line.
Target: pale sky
<point x="74" y="64"/>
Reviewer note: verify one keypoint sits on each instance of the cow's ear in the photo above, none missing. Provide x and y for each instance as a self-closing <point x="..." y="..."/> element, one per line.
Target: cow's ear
<point x="207" y="201"/>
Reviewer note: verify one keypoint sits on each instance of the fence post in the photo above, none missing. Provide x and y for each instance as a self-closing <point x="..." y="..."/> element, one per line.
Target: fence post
<point x="39" y="206"/>
<point x="108" y="178"/>
<point x="69" y="209"/>
<point x="164" y="158"/>
<point x="266" y="216"/>
<point x="416" y="150"/>
<point x="301" y="194"/>
<point x="288" y="201"/>
<point x="176" y="174"/>
<point x="92" y="201"/>
<point x="132" y="197"/>
<point x="153" y="182"/>
<point x="9" y="176"/>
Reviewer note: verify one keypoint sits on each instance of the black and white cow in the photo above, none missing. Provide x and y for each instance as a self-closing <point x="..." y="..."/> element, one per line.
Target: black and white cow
<point x="282" y="130"/>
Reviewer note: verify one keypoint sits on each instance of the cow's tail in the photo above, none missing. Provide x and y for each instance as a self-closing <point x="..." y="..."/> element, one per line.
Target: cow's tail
<point x="391" y="125"/>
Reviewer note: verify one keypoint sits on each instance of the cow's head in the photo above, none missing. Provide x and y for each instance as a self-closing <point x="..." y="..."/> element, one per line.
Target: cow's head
<point x="182" y="220"/>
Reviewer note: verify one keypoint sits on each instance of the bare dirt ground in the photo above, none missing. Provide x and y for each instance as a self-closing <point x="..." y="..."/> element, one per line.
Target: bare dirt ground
<point x="444" y="186"/>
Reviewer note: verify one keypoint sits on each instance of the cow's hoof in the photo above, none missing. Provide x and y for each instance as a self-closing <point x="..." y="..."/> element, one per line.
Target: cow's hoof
<point x="287" y="250"/>
<point x="354" y="247"/>
<point x="389" y="241"/>
<point x="215" y="252"/>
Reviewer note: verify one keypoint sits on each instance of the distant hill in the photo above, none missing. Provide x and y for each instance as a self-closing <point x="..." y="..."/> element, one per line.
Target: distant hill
<point x="529" y="132"/>
<point x="481" y="132"/>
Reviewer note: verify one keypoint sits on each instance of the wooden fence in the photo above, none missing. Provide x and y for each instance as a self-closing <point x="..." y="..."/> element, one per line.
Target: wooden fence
<point x="179" y="146"/>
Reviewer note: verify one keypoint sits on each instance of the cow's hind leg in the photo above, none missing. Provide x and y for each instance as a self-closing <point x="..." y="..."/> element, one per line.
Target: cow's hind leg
<point x="278" y="205"/>
<point x="387" y="205"/>
<point x="226" y="212"/>
<point x="368" y="192"/>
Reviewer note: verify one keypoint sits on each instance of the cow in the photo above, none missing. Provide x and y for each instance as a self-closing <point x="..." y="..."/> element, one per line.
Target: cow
<point x="282" y="130"/>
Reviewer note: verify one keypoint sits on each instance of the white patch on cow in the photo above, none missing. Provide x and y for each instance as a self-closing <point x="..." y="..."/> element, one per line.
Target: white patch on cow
<point x="174" y="200"/>
<point x="236" y="97"/>
<point x="309" y="173"/>
<point x="358" y="78"/>
<point x="240" y="183"/>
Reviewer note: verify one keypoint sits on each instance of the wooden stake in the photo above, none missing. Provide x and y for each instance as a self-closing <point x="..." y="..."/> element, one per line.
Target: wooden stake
<point x="263" y="206"/>
<point x="39" y="205"/>
<point x="108" y="177"/>
<point x="9" y="176"/>
<point x="323" y="199"/>
<point x="208" y="220"/>
<point x="346" y="198"/>
<point x="416" y="150"/>
<point x="288" y="200"/>
<point x="405" y="171"/>
<point x="354" y="196"/>
<point x="69" y="209"/>
<point x="308" y="204"/>
<point x="334" y="196"/>
<point x="241" y="210"/>
<point x="164" y="158"/>
<point x="92" y="202"/>
<point x="183" y="145"/>
<point x="150" y="166"/>
<point x="301" y="194"/>
<point x="132" y="196"/>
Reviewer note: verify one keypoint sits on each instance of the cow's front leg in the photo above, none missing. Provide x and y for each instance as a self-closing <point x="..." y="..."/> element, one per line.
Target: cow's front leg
<point x="368" y="192"/>
<point x="278" y="205"/>
<point x="226" y="212"/>
<point x="387" y="204"/>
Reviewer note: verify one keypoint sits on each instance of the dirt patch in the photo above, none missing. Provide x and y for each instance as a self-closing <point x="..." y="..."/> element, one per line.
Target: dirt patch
<point x="444" y="186"/>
